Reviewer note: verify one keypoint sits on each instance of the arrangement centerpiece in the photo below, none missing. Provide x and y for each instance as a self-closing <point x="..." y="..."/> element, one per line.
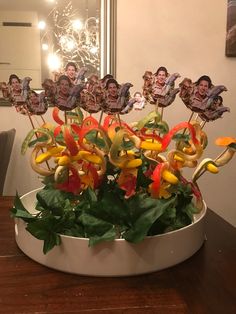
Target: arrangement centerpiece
<point x="115" y="191"/>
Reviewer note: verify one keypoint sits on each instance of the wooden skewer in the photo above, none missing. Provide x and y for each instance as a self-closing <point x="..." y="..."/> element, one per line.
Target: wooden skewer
<point x="42" y="119"/>
<point x="196" y="117"/>
<point x="119" y="120"/>
<point x="99" y="123"/>
<point x="162" y="113"/>
<point x="203" y="124"/>
<point x="35" y="118"/>
<point x="31" y="121"/>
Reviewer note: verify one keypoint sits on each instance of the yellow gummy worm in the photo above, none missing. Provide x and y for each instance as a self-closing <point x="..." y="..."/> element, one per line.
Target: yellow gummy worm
<point x="150" y="146"/>
<point x="54" y="151"/>
<point x="37" y="168"/>
<point x="90" y="157"/>
<point x="169" y="177"/>
<point x="64" y="160"/>
<point x="205" y="164"/>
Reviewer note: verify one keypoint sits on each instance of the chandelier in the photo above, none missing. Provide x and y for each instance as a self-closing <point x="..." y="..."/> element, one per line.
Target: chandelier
<point x="67" y="37"/>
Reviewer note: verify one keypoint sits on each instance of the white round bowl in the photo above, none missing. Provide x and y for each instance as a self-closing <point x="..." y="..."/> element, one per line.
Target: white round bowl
<point x="116" y="258"/>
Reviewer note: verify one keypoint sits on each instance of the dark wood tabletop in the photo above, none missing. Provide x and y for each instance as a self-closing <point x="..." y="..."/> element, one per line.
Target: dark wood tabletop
<point x="205" y="283"/>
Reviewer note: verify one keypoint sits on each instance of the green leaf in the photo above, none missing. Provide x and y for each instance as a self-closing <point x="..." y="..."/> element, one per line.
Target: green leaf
<point x="90" y="195"/>
<point x="93" y="137"/>
<point x="67" y="221"/>
<point x="52" y="240"/>
<point x="75" y="231"/>
<point x="110" y="235"/>
<point x="111" y="205"/>
<point x="46" y="230"/>
<point x="52" y="199"/>
<point x="183" y="191"/>
<point x="96" y="229"/>
<point x="42" y="227"/>
<point x="23" y="214"/>
<point x="138" y="204"/>
<point x="83" y="205"/>
<point x="142" y="180"/>
<point x="181" y="215"/>
<point x="190" y="209"/>
<point x="18" y="204"/>
<point x="19" y="211"/>
<point x="92" y="225"/>
<point x="181" y="221"/>
<point x="48" y="180"/>
<point x="153" y="209"/>
<point x="166" y="220"/>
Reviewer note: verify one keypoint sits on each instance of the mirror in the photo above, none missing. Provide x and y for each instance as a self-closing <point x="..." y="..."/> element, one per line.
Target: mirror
<point x="81" y="31"/>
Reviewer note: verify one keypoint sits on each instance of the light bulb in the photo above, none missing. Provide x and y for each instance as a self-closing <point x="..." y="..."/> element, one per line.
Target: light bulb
<point x="41" y="24"/>
<point x="67" y="43"/>
<point x="45" y="47"/>
<point x="77" y="24"/>
<point x="54" y="62"/>
<point x="94" y="50"/>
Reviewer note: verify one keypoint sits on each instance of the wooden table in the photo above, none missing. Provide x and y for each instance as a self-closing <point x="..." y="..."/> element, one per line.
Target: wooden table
<point x="205" y="283"/>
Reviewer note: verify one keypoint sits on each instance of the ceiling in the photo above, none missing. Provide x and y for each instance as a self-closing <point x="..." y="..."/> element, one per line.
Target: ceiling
<point x="26" y="5"/>
<point x="45" y="6"/>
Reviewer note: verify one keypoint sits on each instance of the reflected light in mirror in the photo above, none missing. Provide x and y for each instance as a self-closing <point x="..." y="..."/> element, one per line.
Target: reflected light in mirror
<point x="67" y="43"/>
<point x="45" y="47"/>
<point x="54" y="62"/>
<point x="77" y="24"/>
<point x="41" y="24"/>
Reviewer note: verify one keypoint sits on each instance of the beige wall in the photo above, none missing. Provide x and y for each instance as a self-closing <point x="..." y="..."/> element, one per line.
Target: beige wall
<point x="20" y="47"/>
<point x="185" y="36"/>
<point x="20" y="176"/>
